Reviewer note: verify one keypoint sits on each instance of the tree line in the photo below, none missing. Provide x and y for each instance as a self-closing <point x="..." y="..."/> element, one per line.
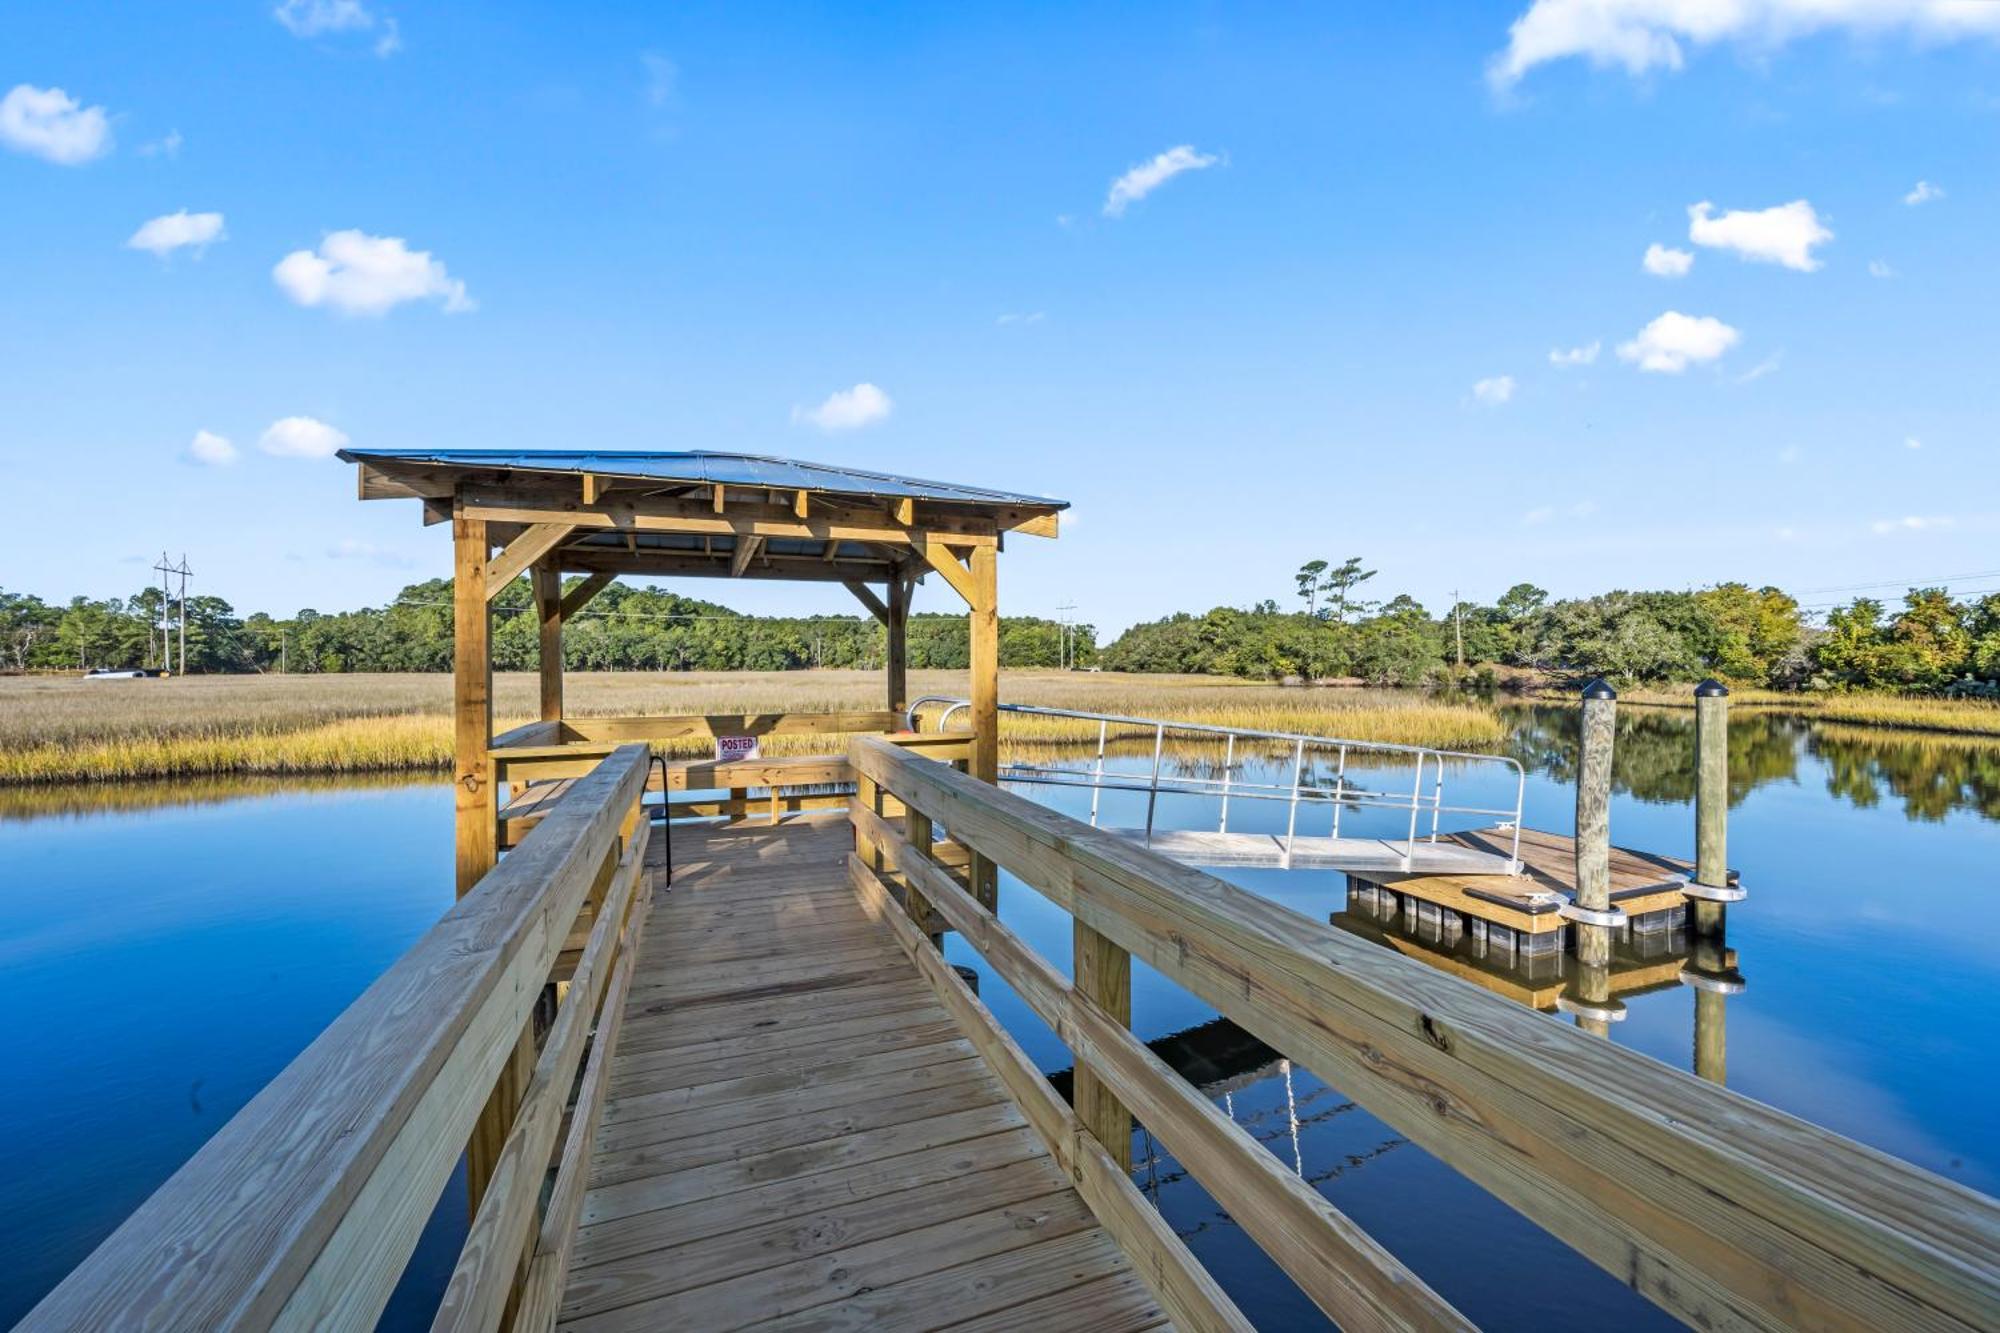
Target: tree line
<point x="1931" y="643"/>
<point x="622" y="629"/>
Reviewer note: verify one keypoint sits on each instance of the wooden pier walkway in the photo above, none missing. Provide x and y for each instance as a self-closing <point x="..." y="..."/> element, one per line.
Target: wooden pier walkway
<point x="798" y="1135"/>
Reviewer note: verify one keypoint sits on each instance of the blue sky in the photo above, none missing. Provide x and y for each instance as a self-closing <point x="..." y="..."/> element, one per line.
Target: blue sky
<point x="627" y="226"/>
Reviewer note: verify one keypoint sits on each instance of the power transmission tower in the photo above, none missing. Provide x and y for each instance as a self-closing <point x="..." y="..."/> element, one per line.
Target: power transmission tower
<point x="1066" y="645"/>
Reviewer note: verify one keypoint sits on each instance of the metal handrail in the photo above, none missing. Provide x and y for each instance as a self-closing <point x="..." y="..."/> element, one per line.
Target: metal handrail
<point x="1341" y="795"/>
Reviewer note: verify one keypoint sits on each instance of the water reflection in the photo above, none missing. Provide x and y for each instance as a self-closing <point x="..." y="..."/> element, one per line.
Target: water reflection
<point x="1930" y="775"/>
<point x="83" y="799"/>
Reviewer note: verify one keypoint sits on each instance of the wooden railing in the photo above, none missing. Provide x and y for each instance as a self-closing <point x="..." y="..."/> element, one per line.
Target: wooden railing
<point x="539" y="752"/>
<point x="303" y="1210"/>
<point x="1723" y="1211"/>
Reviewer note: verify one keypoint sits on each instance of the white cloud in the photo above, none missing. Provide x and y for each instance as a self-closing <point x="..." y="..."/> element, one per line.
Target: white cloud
<point x="849" y="409"/>
<point x="1790" y="454"/>
<point x="347" y="548"/>
<point x="1147" y="177"/>
<point x="359" y="274"/>
<point x="1494" y="391"/>
<point x="1768" y="366"/>
<point x="167" y="146"/>
<point x="1666" y="262"/>
<point x="318" y="18"/>
<point x="662" y="77"/>
<point x="1024" y="317"/>
<point x="1912" y="442"/>
<point x="1585" y="355"/>
<point x="176" y="231"/>
<point x="1639" y="36"/>
<point x="50" y="124"/>
<point x="1882" y="527"/>
<point x="1671" y="342"/>
<point x="1879" y="269"/>
<point x="301" y="437"/>
<point x="1787" y="534"/>
<point x="1539" y="514"/>
<point x="1923" y="193"/>
<point x="210" y="448"/>
<point x="1785" y="234"/>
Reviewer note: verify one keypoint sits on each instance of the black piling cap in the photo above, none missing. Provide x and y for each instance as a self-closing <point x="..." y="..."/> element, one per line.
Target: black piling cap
<point x="1711" y="689"/>
<point x="1598" y="689"/>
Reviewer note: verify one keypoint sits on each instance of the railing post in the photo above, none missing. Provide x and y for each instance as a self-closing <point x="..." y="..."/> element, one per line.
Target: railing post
<point x="1593" y="829"/>
<point x="1153" y="793"/>
<point x="1103" y="973"/>
<point x="1228" y="765"/>
<point x="1292" y="815"/>
<point x="1097" y="782"/>
<point x="917" y="832"/>
<point x="1339" y="788"/>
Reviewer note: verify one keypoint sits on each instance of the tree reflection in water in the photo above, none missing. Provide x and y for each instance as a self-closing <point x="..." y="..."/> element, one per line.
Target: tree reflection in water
<point x="1931" y="775"/>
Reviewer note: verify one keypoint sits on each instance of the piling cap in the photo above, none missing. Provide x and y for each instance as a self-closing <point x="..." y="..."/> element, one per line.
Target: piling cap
<point x="1599" y="689"/>
<point x="1711" y="689"/>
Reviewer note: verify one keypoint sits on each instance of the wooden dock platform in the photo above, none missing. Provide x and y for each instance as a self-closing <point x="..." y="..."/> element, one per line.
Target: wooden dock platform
<point x="798" y="1135"/>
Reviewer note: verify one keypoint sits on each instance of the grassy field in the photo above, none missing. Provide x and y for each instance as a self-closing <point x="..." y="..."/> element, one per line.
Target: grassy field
<point x="55" y="729"/>
<point x="1964" y="717"/>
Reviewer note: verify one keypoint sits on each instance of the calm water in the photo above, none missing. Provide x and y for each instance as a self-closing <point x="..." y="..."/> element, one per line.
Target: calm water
<point x="159" y="963"/>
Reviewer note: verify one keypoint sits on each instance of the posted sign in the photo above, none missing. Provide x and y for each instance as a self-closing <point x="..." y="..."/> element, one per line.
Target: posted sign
<point x="728" y="749"/>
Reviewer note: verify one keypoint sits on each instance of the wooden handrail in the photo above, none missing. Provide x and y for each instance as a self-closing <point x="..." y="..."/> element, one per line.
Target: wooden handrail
<point x="1721" y="1210"/>
<point x="305" y="1207"/>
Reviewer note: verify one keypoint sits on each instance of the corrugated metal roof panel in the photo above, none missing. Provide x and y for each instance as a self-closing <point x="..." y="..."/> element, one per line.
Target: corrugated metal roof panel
<point x="701" y="466"/>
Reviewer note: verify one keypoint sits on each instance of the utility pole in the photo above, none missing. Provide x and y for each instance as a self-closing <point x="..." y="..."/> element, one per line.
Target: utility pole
<point x="184" y="571"/>
<point x="166" y="659"/>
<point x="1458" y="628"/>
<point x="1066" y="645"/>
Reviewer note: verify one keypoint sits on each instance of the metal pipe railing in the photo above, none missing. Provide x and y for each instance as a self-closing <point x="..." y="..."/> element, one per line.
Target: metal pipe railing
<point x="1342" y="795"/>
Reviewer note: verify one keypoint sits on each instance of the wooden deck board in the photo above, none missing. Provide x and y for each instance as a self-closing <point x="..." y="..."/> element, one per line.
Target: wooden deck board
<point x="799" y="1135"/>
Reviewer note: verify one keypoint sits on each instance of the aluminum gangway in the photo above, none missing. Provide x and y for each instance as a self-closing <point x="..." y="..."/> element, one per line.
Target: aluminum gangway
<point x="1421" y="850"/>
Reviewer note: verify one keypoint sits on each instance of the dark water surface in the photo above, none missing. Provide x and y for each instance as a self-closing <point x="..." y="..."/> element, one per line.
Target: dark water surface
<point x="160" y="962"/>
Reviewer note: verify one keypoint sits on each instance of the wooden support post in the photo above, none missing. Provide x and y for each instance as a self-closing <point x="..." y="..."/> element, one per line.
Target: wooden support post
<point x="1593" y="820"/>
<point x="1711" y="1031"/>
<point x="547" y="581"/>
<point x="898" y="664"/>
<point x="985" y="665"/>
<point x="1103" y="973"/>
<point x="1706" y="920"/>
<point x="472" y="703"/>
<point x="918" y="833"/>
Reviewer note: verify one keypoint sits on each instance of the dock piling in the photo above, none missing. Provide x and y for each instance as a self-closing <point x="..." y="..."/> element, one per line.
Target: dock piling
<point x="1711" y="804"/>
<point x="1593" y="821"/>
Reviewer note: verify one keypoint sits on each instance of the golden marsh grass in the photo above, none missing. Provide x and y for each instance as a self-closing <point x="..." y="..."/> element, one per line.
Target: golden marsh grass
<point x="1964" y="717"/>
<point x="68" y="730"/>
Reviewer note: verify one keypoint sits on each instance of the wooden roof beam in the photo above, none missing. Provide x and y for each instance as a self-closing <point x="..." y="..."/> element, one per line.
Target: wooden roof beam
<point x="746" y="550"/>
<point x="866" y="596"/>
<point x="579" y="597"/>
<point x="523" y="551"/>
<point x="655" y="514"/>
<point x="693" y="565"/>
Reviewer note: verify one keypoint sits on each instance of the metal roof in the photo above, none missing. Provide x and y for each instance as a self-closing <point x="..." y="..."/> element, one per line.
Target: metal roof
<point x="704" y="467"/>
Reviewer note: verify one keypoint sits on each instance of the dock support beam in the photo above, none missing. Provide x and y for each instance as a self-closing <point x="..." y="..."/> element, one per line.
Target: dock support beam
<point x="472" y="702"/>
<point x="1593" y="820"/>
<point x="898" y="624"/>
<point x="547" y="582"/>
<point x="985" y="669"/>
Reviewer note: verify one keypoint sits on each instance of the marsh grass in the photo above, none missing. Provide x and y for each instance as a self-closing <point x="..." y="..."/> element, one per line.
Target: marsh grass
<point x="67" y="730"/>
<point x="1965" y="717"/>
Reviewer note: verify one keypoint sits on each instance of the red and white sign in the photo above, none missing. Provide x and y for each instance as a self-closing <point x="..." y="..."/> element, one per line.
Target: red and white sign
<point x="730" y="749"/>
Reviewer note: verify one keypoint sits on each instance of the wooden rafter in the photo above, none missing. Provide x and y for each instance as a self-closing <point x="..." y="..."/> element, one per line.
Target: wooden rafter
<point x="523" y="551"/>
<point x="692" y="564"/>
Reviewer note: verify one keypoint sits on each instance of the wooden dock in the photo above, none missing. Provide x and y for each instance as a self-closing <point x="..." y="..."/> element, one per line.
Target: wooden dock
<point x="798" y="1135"/>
